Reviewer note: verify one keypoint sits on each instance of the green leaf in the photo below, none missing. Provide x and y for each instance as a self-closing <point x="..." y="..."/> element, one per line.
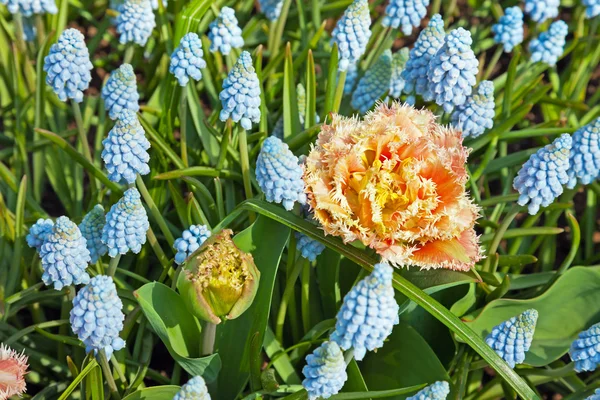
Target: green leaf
<point x="177" y="328"/>
<point x="564" y="311"/>
<point x="94" y="384"/>
<point x="291" y="119"/>
<point x="154" y="393"/>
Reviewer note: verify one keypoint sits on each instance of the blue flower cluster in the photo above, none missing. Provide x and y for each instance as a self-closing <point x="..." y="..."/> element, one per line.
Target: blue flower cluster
<point x="397" y="81"/>
<point x="271" y="8"/>
<point x="186" y="60"/>
<point x="550" y="45"/>
<point x="405" y="13"/>
<point x="595" y="396"/>
<point x="39" y="232"/>
<point x="374" y="84"/>
<point x="29" y="29"/>
<point x="351" y="78"/>
<point x="224" y="33"/>
<point x="194" y="389"/>
<point x="97" y="316"/>
<point x="540" y="180"/>
<point x="509" y="29"/>
<point x="241" y="93"/>
<point x="68" y="66"/>
<point x="191" y="239"/>
<point x="30" y="7"/>
<point x="135" y="21"/>
<point x="91" y="228"/>
<point x="592" y="8"/>
<point x="352" y="33"/>
<point x="584" y="350"/>
<point x="512" y="339"/>
<point x="436" y="391"/>
<point x="325" y="371"/>
<point x="584" y="161"/>
<point x="477" y="114"/>
<point x="541" y="10"/>
<point x="120" y="92"/>
<point x="309" y="248"/>
<point x="126" y="225"/>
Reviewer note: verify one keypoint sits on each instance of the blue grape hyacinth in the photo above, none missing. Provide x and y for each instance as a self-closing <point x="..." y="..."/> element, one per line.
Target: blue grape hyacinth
<point x="224" y="33"/>
<point x="584" y="350"/>
<point x="29" y="29"/>
<point x="453" y="70"/>
<point x="509" y="29"/>
<point x="194" y="389"/>
<point x="374" y="84"/>
<point x="405" y="13"/>
<point x="541" y="10"/>
<point x="186" y="60"/>
<point x="68" y="66"/>
<point x="271" y="8"/>
<point x="64" y="256"/>
<point x="97" y="317"/>
<point x="325" y="371"/>
<point x="352" y="33"/>
<point x="39" y="232"/>
<point x="308" y="248"/>
<point x="125" y="148"/>
<point x="368" y="314"/>
<point x="399" y="60"/>
<point x="550" y="45"/>
<point x="477" y="114"/>
<point x="30" y="7"/>
<point x="585" y="155"/>
<point x="351" y="79"/>
<point x="595" y="396"/>
<point x="91" y="228"/>
<point x="436" y="391"/>
<point x="120" y="91"/>
<point x="592" y="8"/>
<point x="126" y="225"/>
<point x="241" y="93"/>
<point x="542" y="177"/>
<point x="428" y="43"/>
<point x="512" y="338"/>
<point x="191" y="239"/>
<point x="279" y="174"/>
<point x="135" y="21"/>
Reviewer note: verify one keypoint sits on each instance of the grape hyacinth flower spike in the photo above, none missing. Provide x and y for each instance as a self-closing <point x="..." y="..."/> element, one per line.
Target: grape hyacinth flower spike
<point x="325" y="371"/>
<point x="271" y="8"/>
<point x="68" y="66"/>
<point x="436" y="391"/>
<point x="584" y="350"/>
<point x="351" y="78"/>
<point x="453" y="70"/>
<point x="426" y="46"/>
<point x="125" y="148"/>
<point x="399" y="60"/>
<point x="135" y="21"/>
<point x="13" y="366"/>
<point x="91" y="228"/>
<point x="241" y="93"/>
<point x="592" y="8"/>
<point x="191" y="239"/>
<point x="512" y="339"/>
<point x="39" y="232"/>
<point x="97" y="317"/>
<point x="477" y="114"/>
<point x="194" y="389"/>
<point x="120" y="91"/>
<point x="595" y="396"/>
<point x="186" y="60"/>
<point x="368" y="313"/>
<point x="541" y="10"/>
<point x="309" y="248"/>
<point x="28" y="8"/>
<point x="550" y="45"/>
<point x="279" y="174"/>
<point x="64" y="256"/>
<point x="352" y="33"/>
<point x="509" y="29"/>
<point x="405" y="13"/>
<point x="584" y="161"/>
<point x="224" y="33"/>
<point x="126" y="225"/>
<point x="542" y="177"/>
<point x="374" y="84"/>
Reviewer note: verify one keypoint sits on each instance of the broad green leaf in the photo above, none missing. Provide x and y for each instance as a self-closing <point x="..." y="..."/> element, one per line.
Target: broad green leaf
<point x="154" y="393"/>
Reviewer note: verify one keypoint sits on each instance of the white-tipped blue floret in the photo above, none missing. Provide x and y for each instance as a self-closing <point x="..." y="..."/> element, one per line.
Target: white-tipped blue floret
<point x="415" y="71"/>
<point x="374" y="84"/>
<point x="309" y="248"/>
<point x="91" y="228"/>
<point x="550" y="45"/>
<point x="135" y="21"/>
<point x="125" y="148"/>
<point x="405" y="13"/>
<point x="191" y="239"/>
<point x="541" y="10"/>
<point x="224" y="33"/>
<point x="512" y="339"/>
<point x="324" y="372"/>
<point x="126" y="225"/>
<point x="68" y="66"/>
<point x="368" y="313"/>
<point x="352" y="33"/>
<point x="97" y="316"/>
<point x="301" y="97"/>
<point x="186" y="60"/>
<point x="592" y="8"/>
<point x="397" y="82"/>
<point x="29" y="29"/>
<point x="241" y="93"/>
<point x="477" y="114"/>
<point x="271" y="8"/>
<point x="542" y="177"/>
<point x="436" y="391"/>
<point x="120" y="91"/>
<point x="39" y="232"/>
<point x="194" y="389"/>
<point x="585" y="155"/>
<point x="452" y="72"/>
<point x="64" y="256"/>
<point x="30" y="7"/>
<point x="595" y="396"/>
<point x="509" y="29"/>
<point x="584" y="350"/>
<point x="351" y="79"/>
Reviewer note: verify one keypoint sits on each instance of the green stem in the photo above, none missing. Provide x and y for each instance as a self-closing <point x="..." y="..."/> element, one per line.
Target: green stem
<point x="129" y="52"/>
<point x="305" y="300"/>
<point x="84" y="142"/>
<point x="112" y="386"/>
<point x="285" y="299"/>
<point x="208" y="338"/>
<point x="498" y="237"/>
<point x="183" y="126"/>
<point x="348" y="356"/>
<point x="162" y="224"/>
<point x="244" y="160"/>
<point x="339" y="92"/>
<point x="112" y="265"/>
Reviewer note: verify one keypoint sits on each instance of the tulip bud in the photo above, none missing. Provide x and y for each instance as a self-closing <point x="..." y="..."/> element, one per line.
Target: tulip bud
<point x="218" y="280"/>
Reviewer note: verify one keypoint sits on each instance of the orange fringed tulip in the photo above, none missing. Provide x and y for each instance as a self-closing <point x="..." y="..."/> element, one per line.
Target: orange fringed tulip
<point x="13" y="367"/>
<point x="396" y="182"/>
